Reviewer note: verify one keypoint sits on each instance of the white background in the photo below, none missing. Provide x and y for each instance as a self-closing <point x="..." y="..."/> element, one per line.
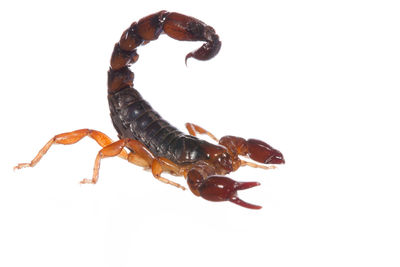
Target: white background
<point x="316" y="79"/>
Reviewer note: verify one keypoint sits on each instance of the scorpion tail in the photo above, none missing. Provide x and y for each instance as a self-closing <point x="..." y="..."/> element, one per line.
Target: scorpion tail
<point x="184" y="28"/>
<point x="175" y="25"/>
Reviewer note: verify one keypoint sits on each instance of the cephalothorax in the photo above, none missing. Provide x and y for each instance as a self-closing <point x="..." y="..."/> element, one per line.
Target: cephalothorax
<point x="152" y="142"/>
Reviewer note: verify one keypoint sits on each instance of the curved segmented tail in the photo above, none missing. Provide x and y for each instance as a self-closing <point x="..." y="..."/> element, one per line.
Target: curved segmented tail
<point x="131" y="115"/>
<point x="175" y="25"/>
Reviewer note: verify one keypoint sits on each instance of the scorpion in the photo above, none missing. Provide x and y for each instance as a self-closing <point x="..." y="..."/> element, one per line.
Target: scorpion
<point x="147" y="140"/>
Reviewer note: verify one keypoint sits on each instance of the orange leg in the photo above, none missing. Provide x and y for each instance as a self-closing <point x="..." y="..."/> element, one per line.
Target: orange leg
<point x="141" y="156"/>
<point x="193" y="128"/>
<point x="68" y="139"/>
<point x="254" y="165"/>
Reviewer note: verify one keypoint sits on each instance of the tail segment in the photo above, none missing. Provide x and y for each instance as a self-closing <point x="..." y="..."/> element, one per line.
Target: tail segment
<point x="175" y="25"/>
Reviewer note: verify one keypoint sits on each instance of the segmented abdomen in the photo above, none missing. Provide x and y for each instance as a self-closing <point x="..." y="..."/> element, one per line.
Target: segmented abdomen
<point x="131" y="115"/>
<point x="134" y="118"/>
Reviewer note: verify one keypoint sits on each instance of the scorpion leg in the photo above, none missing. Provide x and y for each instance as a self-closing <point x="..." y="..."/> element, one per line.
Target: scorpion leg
<point x="193" y="128"/>
<point x="157" y="169"/>
<point x="141" y="156"/>
<point x="68" y="139"/>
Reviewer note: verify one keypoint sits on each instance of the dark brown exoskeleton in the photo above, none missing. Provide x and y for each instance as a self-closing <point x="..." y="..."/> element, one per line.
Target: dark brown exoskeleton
<point x="152" y="142"/>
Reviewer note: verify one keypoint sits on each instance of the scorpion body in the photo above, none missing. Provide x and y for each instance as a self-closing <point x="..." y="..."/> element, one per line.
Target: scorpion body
<point x="154" y="143"/>
<point x="132" y="116"/>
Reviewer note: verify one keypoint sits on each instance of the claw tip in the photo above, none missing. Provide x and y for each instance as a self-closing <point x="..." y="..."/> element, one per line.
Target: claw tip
<point x="246" y="185"/>
<point x="187" y="57"/>
<point x="244" y="204"/>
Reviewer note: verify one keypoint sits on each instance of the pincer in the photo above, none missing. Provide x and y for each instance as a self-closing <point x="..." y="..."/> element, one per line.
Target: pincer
<point x="257" y="150"/>
<point x="217" y="187"/>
